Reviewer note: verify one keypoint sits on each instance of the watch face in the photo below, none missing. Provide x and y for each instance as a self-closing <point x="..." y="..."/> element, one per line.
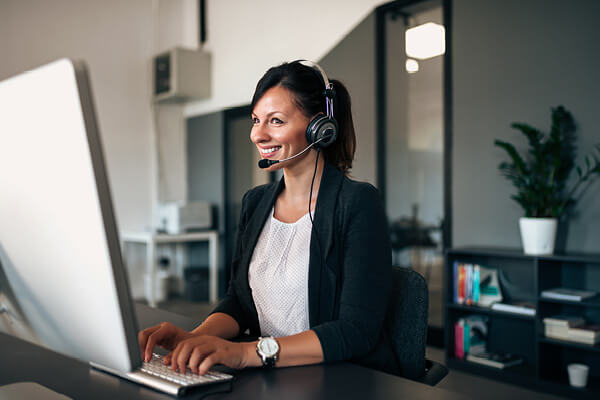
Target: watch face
<point x="268" y="346"/>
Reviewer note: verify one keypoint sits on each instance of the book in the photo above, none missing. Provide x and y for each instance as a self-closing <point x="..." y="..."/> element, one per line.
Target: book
<point x="582" y="340"/>
<point x="568" y="294"/>
<point x="495" y="360"/>
<point x="476" y="282"/>
<point x="461" y="284"/>
<point x="589" y="334"/>
<point x="517" y="307"/>
<point x="458" y="340"/>
<point x="585" y="331"/>
<point x="476" y="335"/>
<point x="489" y="288"/>
<point x="564" y="320"/>
<point x="469" y="284"/>
<point x="466" y="336"/>
<point x="586" y="334"/>
<point x="475" y="285"/>
<point x="556" y="332"/>
<point x="470" y="335"/>
<point x="455" y="281"/>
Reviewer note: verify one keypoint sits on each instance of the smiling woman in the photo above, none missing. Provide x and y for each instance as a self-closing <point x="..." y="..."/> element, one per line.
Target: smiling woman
<point x="314" y="289"/>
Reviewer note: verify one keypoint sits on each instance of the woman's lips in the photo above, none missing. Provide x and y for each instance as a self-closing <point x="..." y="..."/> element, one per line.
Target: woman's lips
<point x="269" y="152"/>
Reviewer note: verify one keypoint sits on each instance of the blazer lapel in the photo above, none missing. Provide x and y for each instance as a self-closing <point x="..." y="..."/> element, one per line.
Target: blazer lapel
<point x="321" y="243"/>
<point x="250" y="238"/>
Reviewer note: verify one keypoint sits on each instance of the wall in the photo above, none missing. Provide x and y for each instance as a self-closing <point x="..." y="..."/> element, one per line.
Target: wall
<point x="117" y="40"/>
<point x="357" y="73"/>
<point x="245" y="38"/>
<point x="512" y="61"/>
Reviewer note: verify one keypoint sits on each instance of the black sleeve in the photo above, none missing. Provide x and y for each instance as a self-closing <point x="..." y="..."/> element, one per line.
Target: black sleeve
<point x="366" y="284"/>
<point x="230" y="304"/>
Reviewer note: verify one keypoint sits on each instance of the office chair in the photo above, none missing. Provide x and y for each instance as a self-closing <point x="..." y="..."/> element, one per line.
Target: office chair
<point x="406" y="323"/>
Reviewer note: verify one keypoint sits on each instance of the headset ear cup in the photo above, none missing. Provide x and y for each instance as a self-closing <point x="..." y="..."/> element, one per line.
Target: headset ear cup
<point x="321" y="127"/>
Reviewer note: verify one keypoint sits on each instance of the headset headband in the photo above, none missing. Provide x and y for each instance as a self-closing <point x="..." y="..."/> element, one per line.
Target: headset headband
<point x="329" y="92"/>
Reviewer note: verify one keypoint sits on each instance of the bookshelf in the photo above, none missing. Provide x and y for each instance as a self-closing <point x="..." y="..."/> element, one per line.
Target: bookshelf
<point x="545" y="359"/>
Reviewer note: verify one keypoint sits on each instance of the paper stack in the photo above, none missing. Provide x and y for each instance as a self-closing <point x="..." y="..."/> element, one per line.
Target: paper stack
<point x="588" y="334"/>
<point x="557" y="326"/>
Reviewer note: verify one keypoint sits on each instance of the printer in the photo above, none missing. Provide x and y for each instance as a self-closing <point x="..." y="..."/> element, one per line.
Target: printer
<point x="180" y="217"/>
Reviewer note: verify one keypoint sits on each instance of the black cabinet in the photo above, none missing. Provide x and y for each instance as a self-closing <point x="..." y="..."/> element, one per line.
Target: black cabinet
<point x="524" y="278"/>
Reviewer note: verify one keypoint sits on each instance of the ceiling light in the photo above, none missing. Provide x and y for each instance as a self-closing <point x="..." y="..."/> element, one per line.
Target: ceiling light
<point x="425" y="41"/>
<point x="412" y="66"/>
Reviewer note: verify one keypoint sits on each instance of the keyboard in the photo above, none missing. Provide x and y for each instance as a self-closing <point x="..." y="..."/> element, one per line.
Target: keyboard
<point x="161" y="377"/>
<point x="156" y="368"/>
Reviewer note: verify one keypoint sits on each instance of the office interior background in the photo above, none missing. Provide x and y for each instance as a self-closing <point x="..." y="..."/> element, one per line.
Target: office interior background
<point x="425" y="138"/>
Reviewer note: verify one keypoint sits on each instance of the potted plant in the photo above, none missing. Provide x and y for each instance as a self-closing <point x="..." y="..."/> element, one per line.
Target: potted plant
<point x="541" y="176"/>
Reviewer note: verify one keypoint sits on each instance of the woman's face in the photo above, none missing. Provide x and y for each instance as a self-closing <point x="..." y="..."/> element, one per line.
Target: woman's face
<point x="279" y="127"/>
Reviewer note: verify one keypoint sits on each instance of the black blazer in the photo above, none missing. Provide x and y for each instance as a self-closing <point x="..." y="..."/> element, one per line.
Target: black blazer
<point x="349" y="274"/>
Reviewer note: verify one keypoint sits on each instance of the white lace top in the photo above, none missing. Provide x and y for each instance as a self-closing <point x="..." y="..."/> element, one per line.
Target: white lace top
<point x="278" y="276"/>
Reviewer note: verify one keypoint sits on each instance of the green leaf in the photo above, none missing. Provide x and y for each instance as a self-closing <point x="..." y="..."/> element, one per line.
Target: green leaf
<point x="514" y="155"/>
<point x="533" y="135"/>
<point x="587" y="162"/>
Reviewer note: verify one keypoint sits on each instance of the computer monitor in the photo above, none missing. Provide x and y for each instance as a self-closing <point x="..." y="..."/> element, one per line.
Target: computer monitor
<point x="62" y="281"/>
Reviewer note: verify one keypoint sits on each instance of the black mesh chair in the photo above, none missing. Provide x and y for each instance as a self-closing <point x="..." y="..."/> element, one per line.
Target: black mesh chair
<point x="406" y="322"/>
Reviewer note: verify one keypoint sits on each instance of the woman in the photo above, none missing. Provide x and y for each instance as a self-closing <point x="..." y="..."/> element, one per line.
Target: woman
<point x="314" y="285"/>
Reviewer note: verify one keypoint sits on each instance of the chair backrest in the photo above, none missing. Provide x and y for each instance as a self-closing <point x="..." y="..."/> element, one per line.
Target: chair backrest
<point x="406" y="321"/>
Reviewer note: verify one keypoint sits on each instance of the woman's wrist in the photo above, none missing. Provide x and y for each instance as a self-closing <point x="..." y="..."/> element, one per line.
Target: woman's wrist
<point x="251" y="356"/>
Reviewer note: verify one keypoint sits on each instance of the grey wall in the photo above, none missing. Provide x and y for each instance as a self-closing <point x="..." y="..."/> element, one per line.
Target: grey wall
<point x="512" y="60"/>
<point x="206" y="177"/>
<point x="352" y="61"/>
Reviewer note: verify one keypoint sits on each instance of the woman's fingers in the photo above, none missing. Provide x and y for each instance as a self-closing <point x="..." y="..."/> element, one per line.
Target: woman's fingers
<point x="200" y="353"/>
<point x="181" y="348"/>
<point x="197" y="347"/>
<point x="155" y="338"/>
<point x="197" y="356"/>
<point x="143" y="338"/>
<point x="209" y="361"/>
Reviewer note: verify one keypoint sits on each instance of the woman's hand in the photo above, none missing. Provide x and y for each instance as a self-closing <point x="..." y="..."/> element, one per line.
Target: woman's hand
<point x="200" y="353"/>
<point x="165" y="335"/>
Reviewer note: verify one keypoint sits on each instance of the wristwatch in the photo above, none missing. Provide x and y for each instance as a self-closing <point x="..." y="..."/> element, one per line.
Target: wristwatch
<point x="267" y="349"/>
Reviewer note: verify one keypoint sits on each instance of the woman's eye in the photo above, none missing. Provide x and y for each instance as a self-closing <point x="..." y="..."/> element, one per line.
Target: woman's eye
<point x="276" y="121"/>
<point x="255" y="120"/>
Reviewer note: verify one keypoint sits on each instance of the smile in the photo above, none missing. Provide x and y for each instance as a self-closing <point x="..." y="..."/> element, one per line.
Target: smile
<point x="269" y="151"/>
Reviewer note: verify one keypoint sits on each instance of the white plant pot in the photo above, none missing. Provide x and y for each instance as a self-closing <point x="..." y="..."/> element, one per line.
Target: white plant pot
<point x="538" y="235"/>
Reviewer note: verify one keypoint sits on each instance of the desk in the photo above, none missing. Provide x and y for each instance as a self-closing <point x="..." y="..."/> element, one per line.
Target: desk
<point x="22" y="361"/>
<point x="151" y="240"/>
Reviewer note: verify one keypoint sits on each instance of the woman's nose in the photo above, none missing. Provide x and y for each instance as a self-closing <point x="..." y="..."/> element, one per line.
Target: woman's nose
<point x="259" y="134"/>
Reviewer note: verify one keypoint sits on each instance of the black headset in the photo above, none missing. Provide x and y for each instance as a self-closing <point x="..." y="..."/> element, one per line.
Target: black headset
<point x="322" y="130"/>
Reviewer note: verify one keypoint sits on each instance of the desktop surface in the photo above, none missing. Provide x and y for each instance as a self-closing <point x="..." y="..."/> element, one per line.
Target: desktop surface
<point x="24" y="361"/>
